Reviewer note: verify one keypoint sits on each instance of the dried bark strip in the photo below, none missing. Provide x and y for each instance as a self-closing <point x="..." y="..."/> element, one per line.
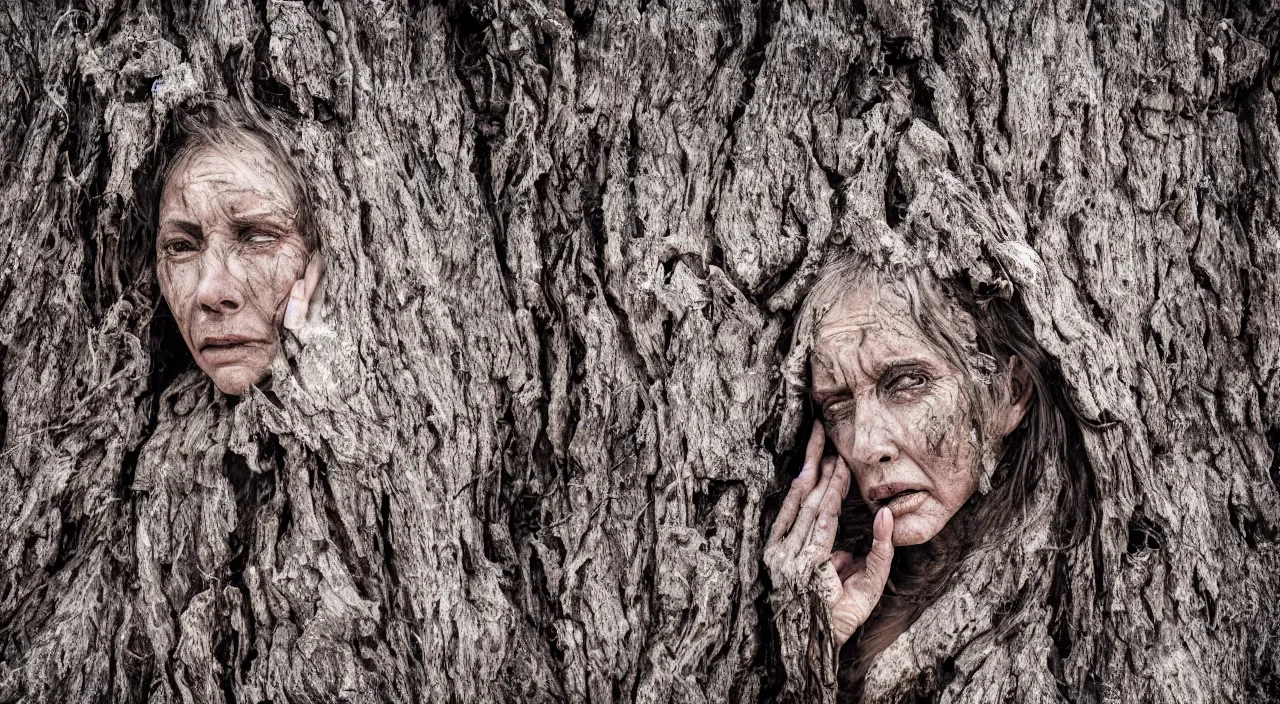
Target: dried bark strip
<point x="565" y="244"/>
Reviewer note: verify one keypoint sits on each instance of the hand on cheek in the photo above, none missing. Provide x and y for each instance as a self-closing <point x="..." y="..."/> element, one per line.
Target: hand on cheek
<point x="232" y="262"/>
<point x="298" y="307"/>
<point x="800" y="544"/>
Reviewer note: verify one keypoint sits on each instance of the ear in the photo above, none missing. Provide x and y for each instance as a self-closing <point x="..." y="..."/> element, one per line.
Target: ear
<point x="1013" y="407"/>
<point x="304" y="289"/>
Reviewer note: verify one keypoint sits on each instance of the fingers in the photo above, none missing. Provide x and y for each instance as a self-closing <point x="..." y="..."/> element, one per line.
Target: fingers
<point x="295" y="311"/>
<point x="315" y="267"/>
<point x="802" y="485"/>
<point x="817" y="441"/>
<point x="311" y="277"/>
<point x="805" y="490"/>
<point x="826" y="519"/>
<point x="808" y="509"/>
<point x="842" y="560"/>
<point x="821" y="505"/>
<point x="875" y="572"/>
<point x="300" y="296"/>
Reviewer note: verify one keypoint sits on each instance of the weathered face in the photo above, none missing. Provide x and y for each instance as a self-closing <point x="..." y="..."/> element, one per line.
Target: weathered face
<point x="896" y="410"/>
<point x="228" y="253"/>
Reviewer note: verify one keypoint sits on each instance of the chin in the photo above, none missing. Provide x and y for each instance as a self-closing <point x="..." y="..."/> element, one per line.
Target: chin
<point x="915" y="529"/>
<point x="234" y="381"/>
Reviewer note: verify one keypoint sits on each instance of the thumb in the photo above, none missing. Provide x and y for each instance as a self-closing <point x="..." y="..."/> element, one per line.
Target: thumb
<point x="863" y="589"/>
<point x="881" y="556"/>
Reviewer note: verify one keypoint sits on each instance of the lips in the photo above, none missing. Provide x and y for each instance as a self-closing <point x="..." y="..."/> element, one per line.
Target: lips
<point x="899" y="497"/>
<point x="221" y="350"/>
<point x="227" y="342"/>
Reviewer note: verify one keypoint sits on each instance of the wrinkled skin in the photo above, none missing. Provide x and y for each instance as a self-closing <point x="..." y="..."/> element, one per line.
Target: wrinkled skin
<point x="805" y="531"/>
<point x="896" y="412"/>
<point x="231" y="261"/>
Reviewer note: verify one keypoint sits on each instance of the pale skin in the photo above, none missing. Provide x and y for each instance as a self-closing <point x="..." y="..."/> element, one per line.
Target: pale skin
<point x="231" y="261"/>
<point x="896" y="412"/>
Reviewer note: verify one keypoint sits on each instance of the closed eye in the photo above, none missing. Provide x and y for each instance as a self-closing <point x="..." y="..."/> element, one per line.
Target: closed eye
<point x="838" y="408"/>
<point x="258" y="237"/>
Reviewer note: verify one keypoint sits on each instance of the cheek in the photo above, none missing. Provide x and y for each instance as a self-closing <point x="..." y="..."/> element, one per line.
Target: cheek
<point x="842" y="434"/>
<point x="934" y="423"/>
<point x="955" y="477"/>
<point x="177" y="284"/>
<point x="940" y="444"/>
<point x="269" y="279"/>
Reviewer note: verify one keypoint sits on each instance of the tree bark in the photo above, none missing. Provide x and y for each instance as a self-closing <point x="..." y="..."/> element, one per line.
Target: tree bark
<point x="533" y="450"/>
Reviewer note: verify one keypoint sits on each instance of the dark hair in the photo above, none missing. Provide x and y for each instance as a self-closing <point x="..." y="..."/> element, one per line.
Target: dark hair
<point x="981" y="330"/>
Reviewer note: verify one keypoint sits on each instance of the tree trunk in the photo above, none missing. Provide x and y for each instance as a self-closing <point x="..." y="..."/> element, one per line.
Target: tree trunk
<point x="533" y="452"/>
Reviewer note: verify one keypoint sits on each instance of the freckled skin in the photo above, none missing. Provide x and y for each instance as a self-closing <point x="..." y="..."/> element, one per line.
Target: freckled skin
<point x="895" y="408"/>
<point x="228" y="254"/>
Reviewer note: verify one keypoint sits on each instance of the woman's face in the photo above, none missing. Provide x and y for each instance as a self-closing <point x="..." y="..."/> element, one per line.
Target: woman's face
<point x="896" y="410"/>
<point x="228" y="253"/>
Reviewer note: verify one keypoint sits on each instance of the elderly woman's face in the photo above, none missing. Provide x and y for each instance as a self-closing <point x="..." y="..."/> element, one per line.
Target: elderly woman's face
<point x="896" y="410"/>
<point x="228" y="254"/>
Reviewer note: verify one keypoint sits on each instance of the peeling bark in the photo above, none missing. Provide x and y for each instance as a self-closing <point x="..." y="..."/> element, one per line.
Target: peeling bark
<point x="532" y="453"/>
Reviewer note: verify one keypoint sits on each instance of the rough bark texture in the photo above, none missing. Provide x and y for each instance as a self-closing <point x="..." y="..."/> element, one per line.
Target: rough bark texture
<point x="533" y="451"/>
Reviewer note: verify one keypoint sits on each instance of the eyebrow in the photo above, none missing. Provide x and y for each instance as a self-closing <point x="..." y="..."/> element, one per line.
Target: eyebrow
<point x="821" y="396"/>
<point x="894" y="364"/>
<point x="280" y="217"/>
<point x="187" y="226"/>
<point x="244" y="222"/>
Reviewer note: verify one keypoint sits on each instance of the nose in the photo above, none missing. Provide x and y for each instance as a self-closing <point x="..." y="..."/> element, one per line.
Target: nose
<point x="219" y="291"/>
<point x="874" y="437"/>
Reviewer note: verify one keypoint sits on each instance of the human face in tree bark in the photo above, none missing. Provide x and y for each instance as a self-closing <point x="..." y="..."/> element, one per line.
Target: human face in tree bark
<point x="897" y="412"/>
<point x="231" y="260"/>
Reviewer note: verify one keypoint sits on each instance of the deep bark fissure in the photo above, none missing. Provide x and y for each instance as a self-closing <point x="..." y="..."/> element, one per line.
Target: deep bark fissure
<point x="568" y="248"/>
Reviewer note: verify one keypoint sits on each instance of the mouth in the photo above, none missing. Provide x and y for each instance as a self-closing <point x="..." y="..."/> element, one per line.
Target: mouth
<point x="227" y="343"/>
<point x="898" y="498"/>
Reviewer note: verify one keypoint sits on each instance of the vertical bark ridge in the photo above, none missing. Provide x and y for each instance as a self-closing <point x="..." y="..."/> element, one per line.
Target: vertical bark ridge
<point x="532" y="450"/>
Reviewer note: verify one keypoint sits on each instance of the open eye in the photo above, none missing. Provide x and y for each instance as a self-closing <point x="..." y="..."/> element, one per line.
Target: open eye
<point x="907" y="381"/>
<point x="178" y="247"/>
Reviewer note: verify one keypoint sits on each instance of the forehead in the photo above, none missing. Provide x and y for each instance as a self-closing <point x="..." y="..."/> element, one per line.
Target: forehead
<point x="241" y="171"/>
<point x="860" y="309"/>
<point x="874" y="322"/>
